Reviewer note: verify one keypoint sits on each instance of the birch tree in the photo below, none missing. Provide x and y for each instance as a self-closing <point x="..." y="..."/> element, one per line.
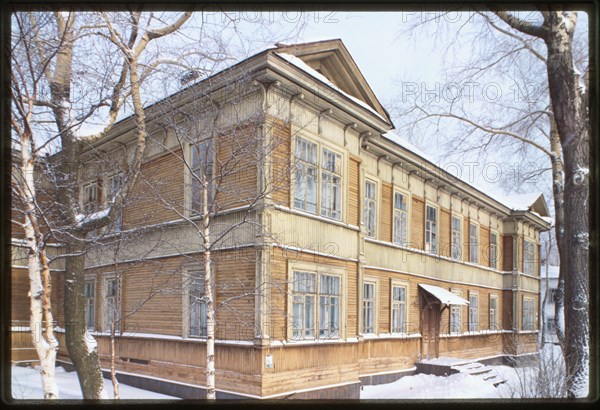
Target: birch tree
<point x="549" y="42"/>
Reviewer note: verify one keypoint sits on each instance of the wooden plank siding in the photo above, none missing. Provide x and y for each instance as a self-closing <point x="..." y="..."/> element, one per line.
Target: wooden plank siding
<point x="354" y="190"/>
<point x="20" y="295"/>
<point x="484" y="246"/>
<point x="281" y="141"/>
<point x="417" y="224"/>
<point x="161" y="177"/>
<point x="507" y="254"/>
<point x="385" y="233"/>
<point x="445" y="237"/>
<point x="238" y="156"/>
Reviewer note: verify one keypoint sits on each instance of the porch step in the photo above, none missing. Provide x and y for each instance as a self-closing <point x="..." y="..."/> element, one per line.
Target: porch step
<point x="480" y="370"/>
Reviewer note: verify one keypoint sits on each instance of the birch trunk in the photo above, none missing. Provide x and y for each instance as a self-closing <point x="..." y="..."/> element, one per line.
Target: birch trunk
<point x="40" y="320"/>
<point x="208" y="295"/>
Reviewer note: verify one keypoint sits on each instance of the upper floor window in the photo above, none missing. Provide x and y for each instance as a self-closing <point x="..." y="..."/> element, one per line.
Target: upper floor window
<point x="307" y="175"/>
<point x="197" y="305"/>
<point x="398" y="309"/>
<point x="331" y="184"/>
<point x="456" y="237"/>
<point x="493" y="250"/>
<point x="369" y="307"/>
<point x="473" y="243"/>
<point x="400" y="218"/>
<point x="90" y="198"/>
<point x="431" y="229"/>
<point x="528" y="257"/>
<point x="201" y="173"/>
<point x="552" y="295"/>
<point x="305" y="311"/>
<point x="370" y="207"/>
<point x="114" y="184"/>
<point x="89" y="293"/>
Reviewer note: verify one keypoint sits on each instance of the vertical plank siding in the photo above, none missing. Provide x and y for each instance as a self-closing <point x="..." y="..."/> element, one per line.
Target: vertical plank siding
<point x="354" y="193"/>
<point x="417" y="224"/>
<point x="281" y="141"/>
<point x="385" y="233"/>
<point x="445" y="237"/>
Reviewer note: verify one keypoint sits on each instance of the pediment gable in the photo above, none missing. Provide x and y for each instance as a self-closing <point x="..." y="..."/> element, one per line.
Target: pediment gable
<point x="332" y="60"/>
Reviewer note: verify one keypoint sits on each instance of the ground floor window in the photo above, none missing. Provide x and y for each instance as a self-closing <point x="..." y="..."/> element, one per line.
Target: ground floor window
<point x="307" y="314"/>
<point x="368" y="307"/>
<point x="528" y="319"/>
<point x="89" y="293"/>
<point x="398" y="309"/>
<point x="197" y="305"/>
<point x="454" y="319"/>
<point x="473" y="313"/>
<point x="110" y="303"/>
<point x="493" y="313"/>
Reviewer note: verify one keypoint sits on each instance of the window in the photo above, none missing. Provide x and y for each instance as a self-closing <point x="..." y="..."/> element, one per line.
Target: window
<point x="552" y="295"/>
<point x="89" y="293"/>
<point x="493" y="313"/>
<point x="114" y="184"/>
<point x="455" y="315"/>
<point x="456" y="238"/>
<point x="400" y="219"/>
<point x="90" y="198"/>
<point x="493" y="250"/>
<point x="474" y="243"/>
<point x="331" y="185"/>
<point x="304" y="309"/>
<point x="370" y="207"/>
<point x="368" y="307"/>
<point x="398" y="309"/>
<point x="201" y="167"/>
<point x="329" y="306"/>
<point x="431" y="229"/>
<point x="550" y="325"/>
<point x="473" y="312"/>
<point x="528" y="322"/>
<point x="110" y="304"/>
<point x="305" y="189"/>
<point x="528" y="257"/>
<point x="197" y="305"/>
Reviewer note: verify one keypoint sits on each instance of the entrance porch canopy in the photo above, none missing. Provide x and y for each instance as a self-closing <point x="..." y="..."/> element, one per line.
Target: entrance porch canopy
<point x="445" y="297"/>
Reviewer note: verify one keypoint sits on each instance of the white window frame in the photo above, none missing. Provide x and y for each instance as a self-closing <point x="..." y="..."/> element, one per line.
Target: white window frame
<point x="528" y="257"/>
<point x="107" y="317"/>
<point x="86" y="205"/>
<point x="473" y="311"/>
<point x="321" y="172"/>
<point x="397" y="218"/>
<point x="108" y="195"/>
<point x="494" y="250"/>
<point x="456" y="247"/>
<point x="474" y="243"/>
<point x="371" y="231"/>
<point x="195" y="283"/>
<point x="319" y="331"/>
<point x="369" y="305"/>
<point x="195" y="206"/>
<point x="90" y="304"/>
<point x="431" y="244"/>
<point x="397" y="306"/>
<point x="456" y="312"/>
<point x="528" y="314"/>
<point x="493" y="318"/>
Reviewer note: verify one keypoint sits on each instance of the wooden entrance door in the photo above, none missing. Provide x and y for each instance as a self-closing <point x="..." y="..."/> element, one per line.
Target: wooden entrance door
<point x="430" y="329"/>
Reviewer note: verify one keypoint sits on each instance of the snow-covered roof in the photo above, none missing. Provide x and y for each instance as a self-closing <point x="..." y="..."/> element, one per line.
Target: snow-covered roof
<point x="318" y="76"/>
<point x="444" y="296"/>
<point x="519" y="202"/>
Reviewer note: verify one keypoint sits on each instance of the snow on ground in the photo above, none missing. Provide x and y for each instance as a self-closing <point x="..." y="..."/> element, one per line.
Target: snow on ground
<point x="521" y="382"/>
<point x="27" y="384"/>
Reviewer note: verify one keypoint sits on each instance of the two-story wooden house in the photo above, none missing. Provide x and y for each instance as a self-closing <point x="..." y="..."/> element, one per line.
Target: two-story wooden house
<point x="342" y="255"/>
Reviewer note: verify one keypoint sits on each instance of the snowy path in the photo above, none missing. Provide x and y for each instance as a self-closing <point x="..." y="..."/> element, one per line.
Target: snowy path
<point x="27" y="384"/>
